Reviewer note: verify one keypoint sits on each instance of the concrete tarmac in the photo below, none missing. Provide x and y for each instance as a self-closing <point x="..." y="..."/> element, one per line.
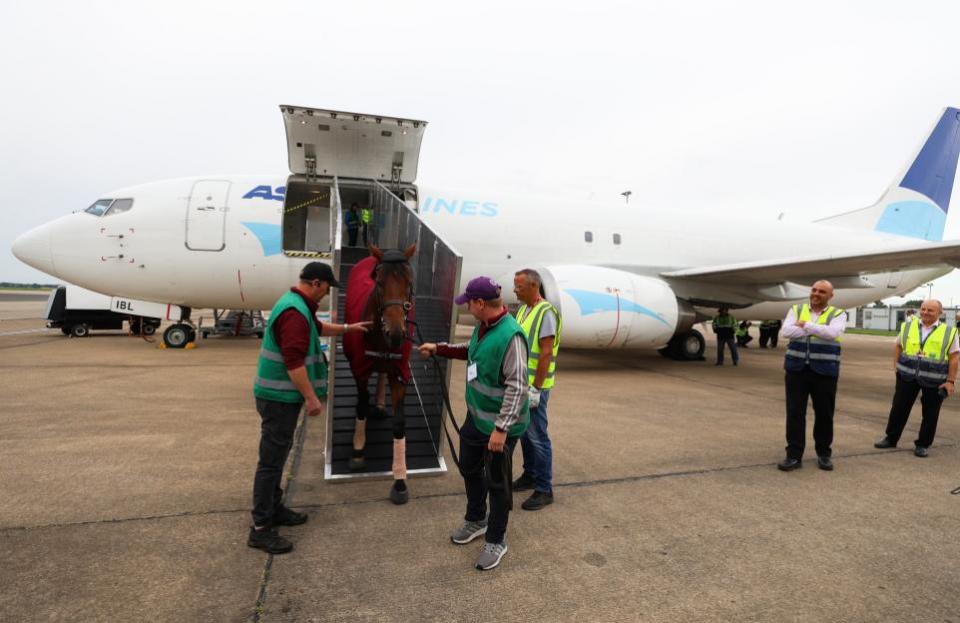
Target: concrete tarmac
<point x="127" y="472"/>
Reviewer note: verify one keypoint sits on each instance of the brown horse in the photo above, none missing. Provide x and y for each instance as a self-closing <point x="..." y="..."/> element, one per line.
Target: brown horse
<point x="380" y="289"/>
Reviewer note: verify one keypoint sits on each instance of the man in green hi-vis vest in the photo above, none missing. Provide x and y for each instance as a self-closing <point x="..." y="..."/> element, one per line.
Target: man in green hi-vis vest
<point x="291" y="374"/>
<point x="498" y="413"/>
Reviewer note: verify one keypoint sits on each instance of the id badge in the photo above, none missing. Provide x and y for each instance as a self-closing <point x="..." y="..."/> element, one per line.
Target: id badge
<point x="471" y="372"/>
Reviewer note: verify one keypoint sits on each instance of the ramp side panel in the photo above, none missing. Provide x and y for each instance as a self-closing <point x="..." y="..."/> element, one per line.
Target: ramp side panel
<point x="436" y="268"/>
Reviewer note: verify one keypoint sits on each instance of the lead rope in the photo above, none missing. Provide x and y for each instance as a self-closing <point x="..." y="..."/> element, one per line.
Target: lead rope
<point x="506" y="476"/>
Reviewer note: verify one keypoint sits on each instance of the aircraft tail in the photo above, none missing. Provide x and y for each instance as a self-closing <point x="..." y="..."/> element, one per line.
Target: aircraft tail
<point x="916" y="203"/>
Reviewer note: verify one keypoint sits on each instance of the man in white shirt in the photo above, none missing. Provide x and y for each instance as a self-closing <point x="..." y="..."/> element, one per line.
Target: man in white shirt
<point x="925" y="361"/>
<point x="812" y="366"/>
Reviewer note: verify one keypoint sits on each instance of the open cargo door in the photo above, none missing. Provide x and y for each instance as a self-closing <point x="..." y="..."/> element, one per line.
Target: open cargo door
<point x="357" y="149"/>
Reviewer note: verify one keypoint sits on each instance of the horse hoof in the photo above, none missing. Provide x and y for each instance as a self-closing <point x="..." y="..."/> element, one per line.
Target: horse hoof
<point x="399" y="496"/>
<point x="357" y="463"/>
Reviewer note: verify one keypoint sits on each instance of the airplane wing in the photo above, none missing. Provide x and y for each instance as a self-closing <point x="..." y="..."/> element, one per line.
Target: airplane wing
<point x="847" y="268"/>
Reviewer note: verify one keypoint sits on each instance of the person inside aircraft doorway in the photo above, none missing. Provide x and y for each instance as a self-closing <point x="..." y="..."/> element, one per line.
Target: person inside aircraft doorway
<point x="291" y="375"/>
<point x="366" y="215"/>
<point x="724" y="326"/>
<point x="352" y="219"/>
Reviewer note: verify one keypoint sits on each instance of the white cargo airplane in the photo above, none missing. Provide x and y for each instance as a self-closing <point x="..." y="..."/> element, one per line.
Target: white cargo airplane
<point x="623" y="278"/>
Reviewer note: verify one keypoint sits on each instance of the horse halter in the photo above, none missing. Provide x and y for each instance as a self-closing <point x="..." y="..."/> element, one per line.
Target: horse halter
<point x="393" y="256"/>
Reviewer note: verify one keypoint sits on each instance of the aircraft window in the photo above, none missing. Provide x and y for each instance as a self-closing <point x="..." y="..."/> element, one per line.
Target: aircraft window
<point x="120" y="205"/>
<point x="616" y="239"/>
<point x="588" y="236"/>
<point x="99" y="207"/>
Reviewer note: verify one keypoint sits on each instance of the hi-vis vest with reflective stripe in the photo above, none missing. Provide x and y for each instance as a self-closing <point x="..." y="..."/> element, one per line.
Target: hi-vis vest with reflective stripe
<point x="823" y="356"/>
<point x="485" y="393"/>
<point x="366" y="215"/>
<point x="530" y="319"/>
<point x="925" y="362"/>
<point x="272" y="381"/>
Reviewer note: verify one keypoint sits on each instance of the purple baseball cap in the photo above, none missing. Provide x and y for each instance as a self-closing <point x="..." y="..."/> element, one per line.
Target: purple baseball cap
<point x="479" y="288"/>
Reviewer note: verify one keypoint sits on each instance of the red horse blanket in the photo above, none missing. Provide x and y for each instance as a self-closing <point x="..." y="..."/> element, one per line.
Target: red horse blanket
<point x="360" y="285"/>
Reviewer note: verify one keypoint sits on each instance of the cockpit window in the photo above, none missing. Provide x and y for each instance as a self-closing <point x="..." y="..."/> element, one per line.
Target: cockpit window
<point x="120" y="205"/>
<point x="99" y="207"/>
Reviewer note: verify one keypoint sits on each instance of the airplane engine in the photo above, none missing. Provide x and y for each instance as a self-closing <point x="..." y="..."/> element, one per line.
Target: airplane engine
<point x="610" y="308"/>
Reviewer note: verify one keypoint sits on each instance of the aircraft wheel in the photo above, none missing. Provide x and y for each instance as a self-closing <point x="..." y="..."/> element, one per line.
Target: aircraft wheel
<point x="687" y="346"/>
<point x="149" y="329"/>
<point x="177" y="335"/>
<point x="80" y="330"/>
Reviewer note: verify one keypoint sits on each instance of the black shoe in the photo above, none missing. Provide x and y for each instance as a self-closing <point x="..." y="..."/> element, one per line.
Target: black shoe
<point x="523" y="483"/>
<point x="824" y="463"/>
<point x="736" y="363"/>
<point x="538" y="500"/>
<point x="921" y="452"/>
<point x="269" y="541"/>
<point x="886" y="442"/>
<point x="719" y="363"/>
<point x="283" y="516"/>
<point x="788" y="464"/>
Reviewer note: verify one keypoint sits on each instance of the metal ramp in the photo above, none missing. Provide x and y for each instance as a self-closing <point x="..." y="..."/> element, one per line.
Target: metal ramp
<point x="436" y="269"/>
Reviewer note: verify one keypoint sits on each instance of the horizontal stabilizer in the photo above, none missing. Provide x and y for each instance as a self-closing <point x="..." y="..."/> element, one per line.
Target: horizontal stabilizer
<point x="805" y="270"/>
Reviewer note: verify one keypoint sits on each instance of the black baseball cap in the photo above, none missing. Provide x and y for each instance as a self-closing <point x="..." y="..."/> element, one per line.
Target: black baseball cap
<point x="321" y="271"/>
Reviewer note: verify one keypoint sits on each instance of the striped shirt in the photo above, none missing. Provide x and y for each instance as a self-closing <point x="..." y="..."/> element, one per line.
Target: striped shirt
<point x="513" y="372"/>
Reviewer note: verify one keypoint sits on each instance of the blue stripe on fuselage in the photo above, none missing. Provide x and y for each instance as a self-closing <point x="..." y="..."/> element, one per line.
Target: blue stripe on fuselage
<point x="269" y="236"/>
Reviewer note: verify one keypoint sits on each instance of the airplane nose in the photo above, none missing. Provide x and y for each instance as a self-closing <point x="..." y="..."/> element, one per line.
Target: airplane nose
<point x="33" y="248"/>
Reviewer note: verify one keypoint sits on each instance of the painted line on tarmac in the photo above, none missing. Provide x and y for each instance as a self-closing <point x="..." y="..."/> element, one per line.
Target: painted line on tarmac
<point x="26" y="331"/>
<point x="298" y="440"/>
<point x="459" y="493"/>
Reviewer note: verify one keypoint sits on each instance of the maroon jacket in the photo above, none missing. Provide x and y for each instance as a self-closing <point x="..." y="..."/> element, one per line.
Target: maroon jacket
<point x="292" y="332"/>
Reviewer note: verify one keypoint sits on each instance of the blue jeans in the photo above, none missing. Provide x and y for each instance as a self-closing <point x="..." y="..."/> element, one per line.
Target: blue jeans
<point x="537" y="450"/>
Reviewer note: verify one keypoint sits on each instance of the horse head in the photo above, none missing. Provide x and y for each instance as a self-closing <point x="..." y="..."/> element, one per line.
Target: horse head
<point x="394" y="292"/>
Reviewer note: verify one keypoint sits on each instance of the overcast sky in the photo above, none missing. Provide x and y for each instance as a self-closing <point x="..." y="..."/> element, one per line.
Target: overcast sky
<point x="756" y="107"/>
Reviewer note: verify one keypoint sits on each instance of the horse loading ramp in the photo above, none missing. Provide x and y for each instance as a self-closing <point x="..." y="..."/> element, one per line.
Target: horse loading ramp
<point x="338" y="159"/>
<point x="436" y="269"/>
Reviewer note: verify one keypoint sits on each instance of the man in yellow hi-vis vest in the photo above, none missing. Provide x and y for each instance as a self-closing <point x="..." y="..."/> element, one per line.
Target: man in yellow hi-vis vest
<point x="541" y="324"/>
<point x="812" y="367"/>
<point x="925" y="360"/>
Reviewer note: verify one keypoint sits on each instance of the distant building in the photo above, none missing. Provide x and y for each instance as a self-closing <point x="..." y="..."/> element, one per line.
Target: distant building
<point x="890" y="318"/>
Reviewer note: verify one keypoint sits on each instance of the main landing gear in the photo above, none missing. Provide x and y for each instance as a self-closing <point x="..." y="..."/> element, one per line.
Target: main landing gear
<point x="686" y="346"/>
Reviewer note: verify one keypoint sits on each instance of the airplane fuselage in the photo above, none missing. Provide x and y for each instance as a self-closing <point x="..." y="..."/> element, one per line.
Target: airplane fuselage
<point x="145" y="253"/>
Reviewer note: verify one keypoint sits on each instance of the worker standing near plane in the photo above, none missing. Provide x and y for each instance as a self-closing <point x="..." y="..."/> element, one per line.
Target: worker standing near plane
<point x="352" y="219"/>
<point x="724" y="326"/>
<point x="291" y="374"/>
<point x="925" y="361"/>
<point x="498" y="414"/>
<point x="812" y="366"/>
<point x="541" y="324"/>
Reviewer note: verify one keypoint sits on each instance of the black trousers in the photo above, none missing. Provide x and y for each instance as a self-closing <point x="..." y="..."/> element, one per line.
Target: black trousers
<point x="822" y="390"/>
<point x="904" y="398"/>
<point x="473" y="444"/>
<point x="769" y="336"/>
<point x="278" y="423"/>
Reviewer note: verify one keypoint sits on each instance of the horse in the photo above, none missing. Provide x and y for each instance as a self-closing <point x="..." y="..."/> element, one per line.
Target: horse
<point x="380" y="289"/>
